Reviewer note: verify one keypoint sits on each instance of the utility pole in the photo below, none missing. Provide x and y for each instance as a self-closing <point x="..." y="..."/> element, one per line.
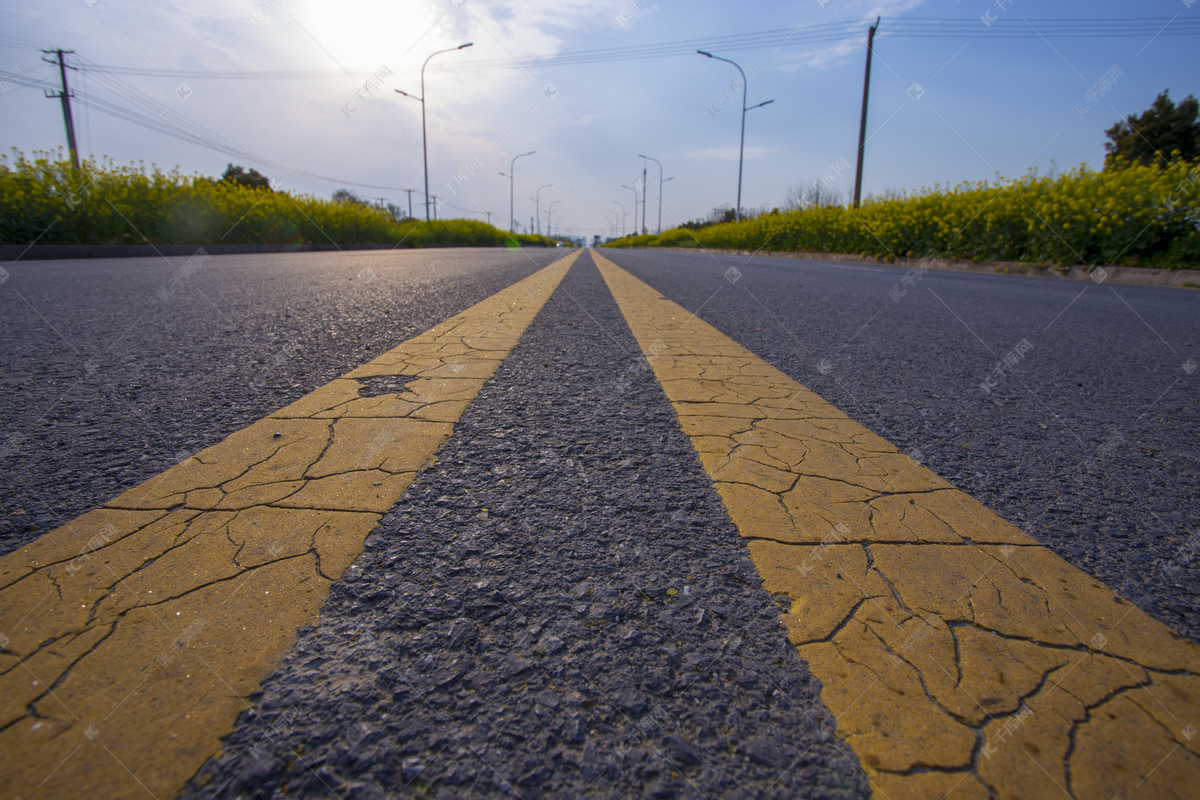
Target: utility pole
<point x="65" y="95"/>
<point x="862" y="125"/>
<point x="434" y="208"/>
<point x="410" y="191"/>
<point x="489" y="217"/>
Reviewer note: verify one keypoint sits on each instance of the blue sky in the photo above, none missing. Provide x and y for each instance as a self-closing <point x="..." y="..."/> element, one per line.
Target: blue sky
<point x="988" y="107"/>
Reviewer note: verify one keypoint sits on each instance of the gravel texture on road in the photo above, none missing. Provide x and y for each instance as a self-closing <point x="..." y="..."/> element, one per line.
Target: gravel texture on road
<point x="559" y="607"/>
<point x="1088" y="441"/>
<point x="105" y="383"/>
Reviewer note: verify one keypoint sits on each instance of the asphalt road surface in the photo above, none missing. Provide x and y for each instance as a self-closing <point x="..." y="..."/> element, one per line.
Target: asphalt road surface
<point x="540" y="652"/>
<point x="105" y="383"/>
<point x="559" y="605"/>
<point x="1089" y="443"/>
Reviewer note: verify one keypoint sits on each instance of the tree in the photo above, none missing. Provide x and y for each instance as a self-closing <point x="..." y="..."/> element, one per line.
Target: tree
<point x="243" y="177"/>
<point x="1153" y="137"/>
<point x="715" y="217"/>
<point x="347" y="196"/>
<point x="801" y="196"/>
<point x="397" y="213"/>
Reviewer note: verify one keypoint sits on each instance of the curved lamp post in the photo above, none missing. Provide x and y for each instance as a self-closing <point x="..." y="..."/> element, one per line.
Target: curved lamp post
<point x="660" y="187"/>
<point x="537" y="199"/>
<point x="741" y="148"/>
<point x="624" y="212"/>
<point x="424" y="134"/>
<point x="512" y="217"/>
<point x="664" y="180"/>
<point x="635" y="205"/>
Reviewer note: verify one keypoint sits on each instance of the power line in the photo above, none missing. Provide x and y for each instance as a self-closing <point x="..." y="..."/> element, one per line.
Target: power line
<point x="169" y="122"/>
<point x="155" y="115"/>
<point x="13" y="41"/>
<point x="828" y="33"/>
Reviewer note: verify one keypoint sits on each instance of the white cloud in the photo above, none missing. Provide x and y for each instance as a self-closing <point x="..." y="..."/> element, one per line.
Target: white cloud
<point x="856" y="15"/>
<point x="829" y="56"/>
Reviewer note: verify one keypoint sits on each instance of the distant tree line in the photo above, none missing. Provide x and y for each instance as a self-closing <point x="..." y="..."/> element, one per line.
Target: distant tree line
<point x="251" y="178"/>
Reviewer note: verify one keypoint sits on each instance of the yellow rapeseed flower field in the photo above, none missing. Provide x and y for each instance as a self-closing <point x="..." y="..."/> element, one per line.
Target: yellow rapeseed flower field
<point x="46" y="200"/>
<point x="1132" y="215"/>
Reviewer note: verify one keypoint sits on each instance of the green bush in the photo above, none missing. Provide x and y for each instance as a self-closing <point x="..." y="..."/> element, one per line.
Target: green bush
<point x="1136" y="215"/>
<point x="48" y="201"/>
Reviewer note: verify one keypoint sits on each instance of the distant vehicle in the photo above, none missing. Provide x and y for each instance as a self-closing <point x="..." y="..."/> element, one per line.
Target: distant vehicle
<point x="558" y="245"/>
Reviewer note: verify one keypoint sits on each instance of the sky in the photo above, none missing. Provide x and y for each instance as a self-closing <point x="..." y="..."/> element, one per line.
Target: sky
<point x="974" y="107"/>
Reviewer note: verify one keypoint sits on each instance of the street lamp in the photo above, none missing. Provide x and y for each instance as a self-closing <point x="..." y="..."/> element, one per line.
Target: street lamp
<point x="624" y="212"/>
<point x="537" y="199"/>
<point x="549" y="212"/>
<point x="424" y="133"/>
<point x="664" y="180"/>
<point x="635" y="203"/>
<point x="660" y="185"/>
<point x="741" y="148"/>
<point x="512" y="217"/>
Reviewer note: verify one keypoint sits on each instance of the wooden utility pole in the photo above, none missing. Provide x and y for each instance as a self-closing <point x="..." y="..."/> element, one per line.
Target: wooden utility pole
<point x="862" y="125"/>
<point x="65" y="95"/>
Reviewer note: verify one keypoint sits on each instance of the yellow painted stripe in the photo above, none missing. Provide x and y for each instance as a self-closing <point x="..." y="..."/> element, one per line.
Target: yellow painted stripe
<point x="132" y="635"/>
<point x="959" y="656"/>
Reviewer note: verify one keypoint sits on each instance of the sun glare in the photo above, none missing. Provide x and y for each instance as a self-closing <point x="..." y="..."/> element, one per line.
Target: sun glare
<point x="370" y="33"/>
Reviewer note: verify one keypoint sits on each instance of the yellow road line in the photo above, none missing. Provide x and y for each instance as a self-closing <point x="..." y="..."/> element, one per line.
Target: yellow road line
<point x="959" y="656"/>
<point x="132" y="635"/>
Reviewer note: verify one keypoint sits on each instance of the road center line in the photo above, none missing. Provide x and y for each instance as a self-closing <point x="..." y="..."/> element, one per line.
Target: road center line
<point x="952" y="646"/>
<point x="173" y="601"/>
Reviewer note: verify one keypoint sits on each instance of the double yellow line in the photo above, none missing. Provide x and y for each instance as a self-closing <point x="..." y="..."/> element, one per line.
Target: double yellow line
<point x="960" y="657"/>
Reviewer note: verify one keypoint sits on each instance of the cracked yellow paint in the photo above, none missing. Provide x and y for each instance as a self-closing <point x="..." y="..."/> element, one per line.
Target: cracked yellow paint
<point x="133" y="635"/>
<point x="961" y="658"/>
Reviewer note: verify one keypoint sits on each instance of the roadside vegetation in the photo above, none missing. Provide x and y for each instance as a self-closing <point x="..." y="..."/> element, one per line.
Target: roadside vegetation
<point x="1135" y="215"/>
<point x="1143" y="209"/>
<point x="44" y="199"/>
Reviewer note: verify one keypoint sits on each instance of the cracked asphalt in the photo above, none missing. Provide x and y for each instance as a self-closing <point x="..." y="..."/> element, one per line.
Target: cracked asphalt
<point x="1089" y="444"/>
<point x="560" y="605"/>
<point x="105" y="384"/>
<point x="548" y="614"/>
